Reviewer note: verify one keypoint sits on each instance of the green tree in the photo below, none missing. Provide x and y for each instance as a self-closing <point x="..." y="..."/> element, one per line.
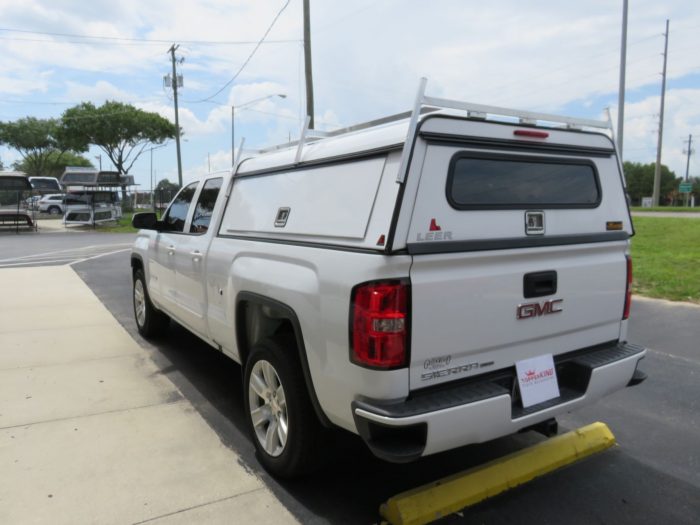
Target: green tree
<point x="640" y="182"/>
<point x="121" y="131"/>
<point x="55" y="164"/>
<point x="40" y="142"/>
<point x="166" y="185"/>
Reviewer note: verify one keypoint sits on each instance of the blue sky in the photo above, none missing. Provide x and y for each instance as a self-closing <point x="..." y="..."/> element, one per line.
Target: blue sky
<point x="367" y="58"/>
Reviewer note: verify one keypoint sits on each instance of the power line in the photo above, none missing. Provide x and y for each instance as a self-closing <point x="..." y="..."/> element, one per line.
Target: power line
<point x="250" y="56"/>
<point x="154" y="41"/>
<point x="67" y="103"/>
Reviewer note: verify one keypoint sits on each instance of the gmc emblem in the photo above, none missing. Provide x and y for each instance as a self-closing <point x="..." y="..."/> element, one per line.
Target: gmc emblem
<point x="526" y="311"/>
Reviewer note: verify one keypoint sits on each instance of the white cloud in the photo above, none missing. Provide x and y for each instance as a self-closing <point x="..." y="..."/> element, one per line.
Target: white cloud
<point x="219" y="161"/>
<point x="98" y="93"/>
<point x="367" y="58"/>
<point x="682" y="117"/>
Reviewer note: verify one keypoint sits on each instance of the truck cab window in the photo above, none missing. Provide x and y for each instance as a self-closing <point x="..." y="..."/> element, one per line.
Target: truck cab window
<point x="177" y="213"/>
<point x="205" y="205"/>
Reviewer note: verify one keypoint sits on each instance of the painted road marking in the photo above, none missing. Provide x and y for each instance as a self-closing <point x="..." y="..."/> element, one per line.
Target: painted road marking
<point x="70" y="256"/>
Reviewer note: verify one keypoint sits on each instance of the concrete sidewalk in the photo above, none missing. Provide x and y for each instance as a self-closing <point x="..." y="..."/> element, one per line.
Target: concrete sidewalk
<point x="92" y="432"/>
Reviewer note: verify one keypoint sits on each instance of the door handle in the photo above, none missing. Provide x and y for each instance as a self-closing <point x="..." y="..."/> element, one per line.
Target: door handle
<point x="196" y="255"/>
<point x="539" y="284"/>
<point x="171" y="249"/>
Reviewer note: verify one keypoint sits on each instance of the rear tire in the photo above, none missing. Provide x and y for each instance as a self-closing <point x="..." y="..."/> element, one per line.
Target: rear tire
<point x="54" y="210"/>
<point x="149" y="321"/>
<point x="282" y="421"/>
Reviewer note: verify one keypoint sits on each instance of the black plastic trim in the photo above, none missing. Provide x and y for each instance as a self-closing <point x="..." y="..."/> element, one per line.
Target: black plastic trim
<point x="513" y="243"/>
<point x="394" y="443"/>
<point x="136" y="257"/>
<point x="329" y="161"/>
<point x="399" y="197"/>
<point x="520" y="158"/>
<point x="250" y="297"/>
<point x="307" y="244"/>
<point x="533" y="284"/>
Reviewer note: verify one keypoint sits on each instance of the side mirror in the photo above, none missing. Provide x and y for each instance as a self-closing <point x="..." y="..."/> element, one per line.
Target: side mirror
<point x="146" y="221"/>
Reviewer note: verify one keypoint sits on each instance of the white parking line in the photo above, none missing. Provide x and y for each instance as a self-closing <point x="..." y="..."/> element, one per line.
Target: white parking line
<point x="47" y="262"/>
<point x="99" y="255"/>
<point x="85" y="248"/>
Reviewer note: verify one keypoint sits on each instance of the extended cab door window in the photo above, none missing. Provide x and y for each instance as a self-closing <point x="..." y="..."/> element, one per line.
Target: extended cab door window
<point x="176" y="215"/>
<point x="205" y="205"/>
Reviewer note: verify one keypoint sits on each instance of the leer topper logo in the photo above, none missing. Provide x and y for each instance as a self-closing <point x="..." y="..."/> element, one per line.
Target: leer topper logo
<point x="435" y="233"/>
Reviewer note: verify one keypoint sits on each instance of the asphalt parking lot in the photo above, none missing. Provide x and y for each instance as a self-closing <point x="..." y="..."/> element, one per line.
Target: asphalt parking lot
<point x="651" y="477"/>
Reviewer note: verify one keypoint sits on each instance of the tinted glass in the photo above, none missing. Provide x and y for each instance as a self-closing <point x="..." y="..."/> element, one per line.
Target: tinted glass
<point x="482" y="182"/>
<point x="79" y="177"/>
<point x="45" y="184"/>
<point x="14" y="183"/>
<point x="205" y="205"/>
<point x="177" y="213"/>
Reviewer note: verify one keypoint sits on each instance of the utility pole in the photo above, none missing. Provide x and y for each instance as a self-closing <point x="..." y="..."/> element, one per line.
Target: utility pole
<point x="233" y="136"/>
<point x="621" y="89"/>
<point x="657" y="173"/>
<point x="688" y="152"/>
<point x="307" y="65"/>
<point x="172" y="50"/>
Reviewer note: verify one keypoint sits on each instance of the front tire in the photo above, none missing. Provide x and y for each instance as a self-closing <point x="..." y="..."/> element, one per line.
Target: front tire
<point x="149" y="321"/>
<point x="282" y="421"/>
<point x="54" y="210"/>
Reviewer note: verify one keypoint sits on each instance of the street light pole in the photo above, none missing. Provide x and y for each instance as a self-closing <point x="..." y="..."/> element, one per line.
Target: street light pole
<point x="153" y="195"/>
<point x="233" y="121"/>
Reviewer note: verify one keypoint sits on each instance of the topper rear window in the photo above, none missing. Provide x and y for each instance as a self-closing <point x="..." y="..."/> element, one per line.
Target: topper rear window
<point x="486" y="181"/>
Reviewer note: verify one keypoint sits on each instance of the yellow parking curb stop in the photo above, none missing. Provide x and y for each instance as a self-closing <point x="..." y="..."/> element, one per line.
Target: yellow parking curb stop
<point x="451" y="494"/>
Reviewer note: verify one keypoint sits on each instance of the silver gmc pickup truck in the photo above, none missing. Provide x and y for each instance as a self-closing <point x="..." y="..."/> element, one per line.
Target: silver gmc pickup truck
<point x="445" y="277"/>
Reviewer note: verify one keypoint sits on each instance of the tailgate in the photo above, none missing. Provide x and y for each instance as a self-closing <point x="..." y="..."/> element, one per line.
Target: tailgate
<point x="470" y="316"/>
<point x="517" y="253"/>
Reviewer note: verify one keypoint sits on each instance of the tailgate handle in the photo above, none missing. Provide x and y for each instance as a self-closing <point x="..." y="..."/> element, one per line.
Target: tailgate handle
<point x="539" y="284"/>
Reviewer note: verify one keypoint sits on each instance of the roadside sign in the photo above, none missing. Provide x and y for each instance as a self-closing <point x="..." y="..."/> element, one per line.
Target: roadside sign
<point x="685" y="187"/>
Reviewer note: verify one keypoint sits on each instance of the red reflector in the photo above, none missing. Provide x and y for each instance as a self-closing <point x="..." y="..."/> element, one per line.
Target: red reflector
<point x="628" y="290"/>
<point x="379" y="331"/>
<point x="434" y="226"/>
<point x="531" y="133"/>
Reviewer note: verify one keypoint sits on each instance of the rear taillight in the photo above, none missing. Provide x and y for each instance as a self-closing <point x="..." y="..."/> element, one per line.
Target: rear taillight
<point x="379" y="330"/>
<point x="628" y="290"/>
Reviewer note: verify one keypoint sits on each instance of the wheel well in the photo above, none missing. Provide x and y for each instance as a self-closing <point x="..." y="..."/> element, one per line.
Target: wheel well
<point x="257" y="321"/>
<point x="136" y="264"/>
<point x="259" y="317"/>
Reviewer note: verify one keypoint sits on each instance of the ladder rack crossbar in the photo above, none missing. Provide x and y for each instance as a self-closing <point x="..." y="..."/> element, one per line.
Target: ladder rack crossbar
<point x="519" y="114"/>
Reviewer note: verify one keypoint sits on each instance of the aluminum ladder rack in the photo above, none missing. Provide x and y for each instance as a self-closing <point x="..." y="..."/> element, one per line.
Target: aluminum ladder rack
<point x="425" y="104"/>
